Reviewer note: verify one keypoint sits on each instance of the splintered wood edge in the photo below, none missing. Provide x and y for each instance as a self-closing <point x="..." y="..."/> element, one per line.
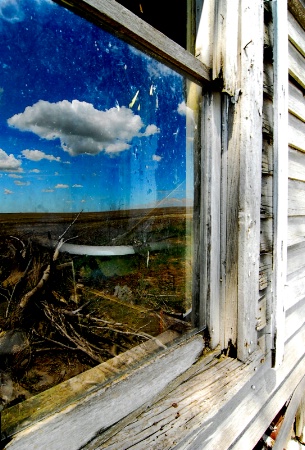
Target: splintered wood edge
<point x="55" y="399"/>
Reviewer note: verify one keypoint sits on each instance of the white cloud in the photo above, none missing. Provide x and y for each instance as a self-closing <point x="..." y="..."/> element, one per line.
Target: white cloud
<point x="77" y="185"/>
<point x="81" y="128"/>
<point x="185" y="110"/>
<point x="38" y="155"/>
<point x="9" y="162"/>
<point x="22" y="183"/>
<point x="14" y="175"/>
<point x="47" y="190"/>
<point x="61" y="186"/>
<point x="7" y="192"/>
<point x="156" y="158"/>
<point x="35" y="171"/>
<point x="182" y="109"/>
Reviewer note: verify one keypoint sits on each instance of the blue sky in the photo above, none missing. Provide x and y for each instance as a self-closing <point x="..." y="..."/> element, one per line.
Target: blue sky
<point x="87" y="122"/>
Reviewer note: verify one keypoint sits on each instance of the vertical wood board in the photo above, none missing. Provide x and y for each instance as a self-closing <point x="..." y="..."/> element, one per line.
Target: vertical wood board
<point x="280" y="189"/>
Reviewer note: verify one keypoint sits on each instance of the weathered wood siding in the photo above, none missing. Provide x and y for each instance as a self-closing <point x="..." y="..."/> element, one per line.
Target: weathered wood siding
<point x="295" y="298"/>
<point x="263" y="323"/>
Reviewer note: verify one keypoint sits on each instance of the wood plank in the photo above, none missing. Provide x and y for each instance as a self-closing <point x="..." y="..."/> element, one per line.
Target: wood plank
<point x="294" y="319"/>
<point x="268" y="79"/>
<point x="267" y="156"/>
<point x="80" y="421"/>
<point x="296" y="65"/>
<point x="296" y="34"/>
<point x="295" y="289"/>
<point x="47" y="403"/>
<point x="296" y="167"/>
<point x="296" y="195"/>
<point x="266" y="242"/>
<point x="225" y="48"/>
<point x="130" y="27"/>
<point x="210" y="215"/>
<point x="297" y="9"/>
<point x="261" y="317"/>
<point x="212" y="415"/>
<point x="250" y="145"/>
<point x="230" y="307"/>
<point x="280" y="198"/>
<point x="268" y="116"/>
<point x="266" y="206"/>
<point x="164" y="426"/>
<point x="296" y="102"/>
<point x="296" y="230"/>
<point x="226" y="100"/>
<point x="284" y="434"/>
<point x="265" y="271"/>
<point x="295" y="259"/>
<point x="205" y="32"/>
<point x="271" y="393"/>
<point x="296" y="133"/>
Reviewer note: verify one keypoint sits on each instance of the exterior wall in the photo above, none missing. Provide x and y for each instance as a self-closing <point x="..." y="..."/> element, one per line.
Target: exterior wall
<point x="295" y="298"/>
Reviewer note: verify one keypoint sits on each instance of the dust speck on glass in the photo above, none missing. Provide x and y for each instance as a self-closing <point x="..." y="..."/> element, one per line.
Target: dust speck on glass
<point x="96" y="188"/>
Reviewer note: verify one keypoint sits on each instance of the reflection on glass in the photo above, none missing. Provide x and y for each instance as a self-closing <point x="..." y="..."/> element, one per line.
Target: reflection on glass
<point x="96" y="175"/>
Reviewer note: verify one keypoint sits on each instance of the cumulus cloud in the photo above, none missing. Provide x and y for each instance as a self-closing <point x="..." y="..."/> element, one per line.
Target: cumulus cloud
<point x="185" y="110"/>
<point x="14" y="175"/>
<point x="22" y="183"/>
<point x="156" y="158"/>
<point x="38" y="155"/>
<point x="81" y="128"/>
<point x="61" y="186"/>
<point x="35" y="171"/>
<point x="7" y="192"/>
<point x="77" y="185"/>
<point x="9" y="163"/>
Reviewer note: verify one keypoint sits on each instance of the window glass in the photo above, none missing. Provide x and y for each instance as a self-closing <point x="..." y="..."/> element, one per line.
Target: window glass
<point x="97" y="187"/>
<point x="167" y="16"/>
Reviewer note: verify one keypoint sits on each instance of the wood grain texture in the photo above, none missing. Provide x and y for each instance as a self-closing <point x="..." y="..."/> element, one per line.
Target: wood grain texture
<point x="296" y="132"/>
<point x="280" y="194"/>
<point x="210" y="211"/>
<point x="80" y="421"/>
<point x="296" y="64"/>
<point x="296" y="102"/>
<point x="296" y="195"/>
<point x="251" y="104"/>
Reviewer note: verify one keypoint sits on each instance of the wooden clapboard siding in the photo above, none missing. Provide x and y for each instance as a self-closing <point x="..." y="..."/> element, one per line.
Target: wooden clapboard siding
<point x="296" y="259"/>
<point x="295" y="288"/>
<point x="296" y="230"/>
<point x="296" y="34"/>
<point x="296" y="133"/>
<point x="294" y="319"/>
<point x="296" y="65"/>
<point x="296" y="190"/>
<point x="296" y="103"/>
<point x="296" y="167"/>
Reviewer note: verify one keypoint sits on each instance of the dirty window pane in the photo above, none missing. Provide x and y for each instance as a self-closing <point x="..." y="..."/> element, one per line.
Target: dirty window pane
<point x="96" y="185"/>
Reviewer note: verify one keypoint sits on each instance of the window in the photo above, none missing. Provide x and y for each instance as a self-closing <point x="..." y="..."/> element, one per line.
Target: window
<point x="160" y="15"/>
<point x="97" y="148"/>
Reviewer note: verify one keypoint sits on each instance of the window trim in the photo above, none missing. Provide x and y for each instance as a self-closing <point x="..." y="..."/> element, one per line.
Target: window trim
<point x="115" y="17"/>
